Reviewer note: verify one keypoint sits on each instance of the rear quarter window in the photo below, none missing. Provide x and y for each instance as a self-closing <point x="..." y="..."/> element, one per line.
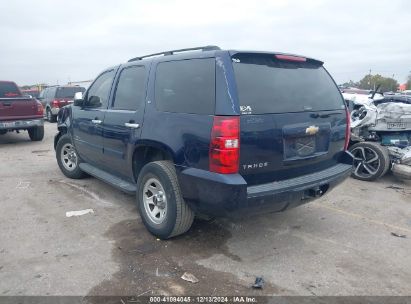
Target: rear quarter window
<point x="186" y="86"/>
<point x="269" y="85"/>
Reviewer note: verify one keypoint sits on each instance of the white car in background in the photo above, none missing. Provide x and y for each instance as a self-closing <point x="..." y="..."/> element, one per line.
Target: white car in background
<point x="360" y="97"/>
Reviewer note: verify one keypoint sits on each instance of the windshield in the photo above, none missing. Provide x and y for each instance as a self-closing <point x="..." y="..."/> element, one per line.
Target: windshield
<point x="9" y="90"/>
<point x="268" y="85"/>
<point x="68" y="92"/>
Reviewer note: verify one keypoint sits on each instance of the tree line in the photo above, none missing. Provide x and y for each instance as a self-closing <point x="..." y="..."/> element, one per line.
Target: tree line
<point x="370" y="82"/>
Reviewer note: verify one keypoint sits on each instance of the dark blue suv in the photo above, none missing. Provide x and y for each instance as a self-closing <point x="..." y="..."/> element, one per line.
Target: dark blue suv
<point x="210" y="132"/>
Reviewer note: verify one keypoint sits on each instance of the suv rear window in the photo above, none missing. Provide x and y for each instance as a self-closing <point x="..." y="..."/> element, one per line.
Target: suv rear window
<point x="9" y="90"/>
<point x="268" y="85"/>
<point x="68" y="92"/>
<point x="186" y="86"/>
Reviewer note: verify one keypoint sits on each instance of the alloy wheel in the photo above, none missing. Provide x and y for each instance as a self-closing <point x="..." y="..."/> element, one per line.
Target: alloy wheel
<point x="155" y="200"/>
<point x="69" y="157"/>
<point x="366" y="162"/>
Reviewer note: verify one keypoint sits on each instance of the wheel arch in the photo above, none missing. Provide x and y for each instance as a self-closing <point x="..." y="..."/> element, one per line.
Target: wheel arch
<point x="61" y="131"/>
<point x="63" y="123"/>
<point x="149" y="151"/>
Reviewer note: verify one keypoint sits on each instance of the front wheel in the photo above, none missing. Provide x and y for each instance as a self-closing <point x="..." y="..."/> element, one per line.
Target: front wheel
<point x="371" y="161"/>
<point x="68" y="159"/>
<point x="160" y="203"/>
<point x="36" y="133"/>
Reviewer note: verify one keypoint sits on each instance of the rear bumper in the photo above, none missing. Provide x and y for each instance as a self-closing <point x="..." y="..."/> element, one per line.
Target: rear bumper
<point x="54" y="111"/>
<point x="21" y="124"/>
<point x="224" y="195"/>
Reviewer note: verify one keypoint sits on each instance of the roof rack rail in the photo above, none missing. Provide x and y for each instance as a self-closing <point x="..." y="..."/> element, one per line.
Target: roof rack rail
<point x="202" y="48"/>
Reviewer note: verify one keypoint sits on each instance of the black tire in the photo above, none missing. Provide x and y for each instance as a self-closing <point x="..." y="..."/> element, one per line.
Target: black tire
<point x="50" y="116"/>
<point x="178" y="216"/>
<point x="365" y="167"/>
<point x="36" y="133"/>
<point x="75" y="171"/>
<point x="2" y="132"/>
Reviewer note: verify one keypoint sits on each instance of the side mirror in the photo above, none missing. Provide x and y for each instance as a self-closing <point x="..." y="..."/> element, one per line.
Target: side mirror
<point x="94" y="102"/>
<point x="78" y="99"/>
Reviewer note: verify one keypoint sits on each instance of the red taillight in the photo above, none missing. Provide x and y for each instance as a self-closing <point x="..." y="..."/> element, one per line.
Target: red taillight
<point x="347" y="129"/>
<point x="290" y="58"/>
<point x="39" y="108"/>
<point x="55" y="103"/>
<point x="225" y="144"/>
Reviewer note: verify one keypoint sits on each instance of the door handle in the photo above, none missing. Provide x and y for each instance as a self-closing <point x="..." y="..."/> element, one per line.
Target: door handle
<point x="96" y="121"/>
<point x="132" y="125"/>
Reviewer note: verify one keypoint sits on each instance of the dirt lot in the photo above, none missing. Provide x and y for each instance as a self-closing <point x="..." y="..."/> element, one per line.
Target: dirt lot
<point x="339" y="245"/>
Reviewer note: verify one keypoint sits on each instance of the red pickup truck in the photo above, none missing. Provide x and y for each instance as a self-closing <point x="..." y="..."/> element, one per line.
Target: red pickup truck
<point x="19" y="112"/>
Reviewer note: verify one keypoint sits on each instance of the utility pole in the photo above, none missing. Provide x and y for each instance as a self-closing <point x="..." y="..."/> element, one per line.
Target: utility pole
<point x="369" y="79"/>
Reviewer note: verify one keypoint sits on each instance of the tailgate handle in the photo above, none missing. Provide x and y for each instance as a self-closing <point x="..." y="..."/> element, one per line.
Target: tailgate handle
<point x="7" y="104"/>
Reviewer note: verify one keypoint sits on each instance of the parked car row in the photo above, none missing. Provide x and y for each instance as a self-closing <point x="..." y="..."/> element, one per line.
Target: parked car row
<point x="55" y="97"/>
<point x="22" y="110"/>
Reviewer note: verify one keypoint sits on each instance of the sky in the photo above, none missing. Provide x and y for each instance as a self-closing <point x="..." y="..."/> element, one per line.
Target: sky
<point x="55" y="41"/>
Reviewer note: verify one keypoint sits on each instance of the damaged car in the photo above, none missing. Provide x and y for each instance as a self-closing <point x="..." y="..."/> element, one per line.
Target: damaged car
<point x="380" y="139"/>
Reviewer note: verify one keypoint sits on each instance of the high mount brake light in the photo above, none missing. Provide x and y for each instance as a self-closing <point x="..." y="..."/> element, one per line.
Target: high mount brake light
<point x="290" y="58"/>
<point x="225" y="144"/>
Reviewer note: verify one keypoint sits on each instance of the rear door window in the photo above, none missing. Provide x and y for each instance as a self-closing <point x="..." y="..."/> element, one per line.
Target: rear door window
<point x="9" y="90"/>
<point x="268" y="85"/>
<point x="51" y="93"/>
<point x="186" y="86"/>
<point x="130" y="91"/>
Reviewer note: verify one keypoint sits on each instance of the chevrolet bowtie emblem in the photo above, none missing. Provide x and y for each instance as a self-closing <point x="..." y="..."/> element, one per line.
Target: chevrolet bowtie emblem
<point x="311" y="130"/>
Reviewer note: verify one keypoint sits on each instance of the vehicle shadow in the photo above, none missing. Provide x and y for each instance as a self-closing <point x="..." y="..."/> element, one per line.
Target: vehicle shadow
<point x="15" y="138"/>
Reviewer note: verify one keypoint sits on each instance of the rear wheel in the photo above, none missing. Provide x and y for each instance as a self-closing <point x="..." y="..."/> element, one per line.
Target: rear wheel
<point x="161" y="205"/>
<point x="36" y="133"/>
<point x="2" y="132"/>
<point x="68" y="159"/>
<point x="371" y="161"/>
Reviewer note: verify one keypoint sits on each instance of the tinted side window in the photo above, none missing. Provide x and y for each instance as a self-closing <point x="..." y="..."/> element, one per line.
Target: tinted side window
<point x="51" y="93"/>
<point x="47" y="94"/>
<point x="43" y="93"/>
<point x="97" y="95"/>
<point x="130" y="92"/>
<point x="186" y="86"/>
